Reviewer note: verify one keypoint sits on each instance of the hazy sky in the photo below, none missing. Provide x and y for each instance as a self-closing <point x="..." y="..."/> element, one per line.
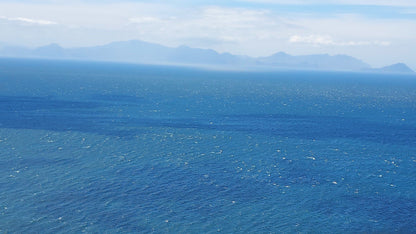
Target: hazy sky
<point x="379" y="32"/>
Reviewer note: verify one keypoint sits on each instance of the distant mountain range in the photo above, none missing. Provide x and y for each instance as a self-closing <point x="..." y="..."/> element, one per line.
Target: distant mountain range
<point x="136" y="51"/>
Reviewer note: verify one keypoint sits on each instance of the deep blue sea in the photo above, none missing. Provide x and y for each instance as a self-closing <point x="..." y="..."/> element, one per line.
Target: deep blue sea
<point x="106" y="148"/>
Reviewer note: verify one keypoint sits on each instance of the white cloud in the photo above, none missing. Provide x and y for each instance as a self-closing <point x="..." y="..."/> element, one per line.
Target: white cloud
<point x="145" y="19"/>
<point x="324" y="40"/>
<point x="28" y="20"/>
<point x="312" y="39"/>
<point x="402" y="3"/>
<point x="212" y="23"/>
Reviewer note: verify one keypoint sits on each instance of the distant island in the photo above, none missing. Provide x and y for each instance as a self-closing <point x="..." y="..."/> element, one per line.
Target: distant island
<point x="136" y="51"/>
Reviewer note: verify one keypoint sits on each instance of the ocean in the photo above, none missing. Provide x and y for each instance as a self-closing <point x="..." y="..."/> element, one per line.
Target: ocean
<point x="121" y="148"/>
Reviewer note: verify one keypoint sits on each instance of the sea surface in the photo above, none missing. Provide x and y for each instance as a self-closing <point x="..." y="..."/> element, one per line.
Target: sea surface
<point x="121" y="148"/>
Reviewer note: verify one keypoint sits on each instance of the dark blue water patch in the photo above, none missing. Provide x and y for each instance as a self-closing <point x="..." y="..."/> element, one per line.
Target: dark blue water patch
<point x="48" y="113"/>
<point x="296" y="126"/>
<point x="322" y="127"/>
<point x="25" y="103"/>
<point x="86" y="116"/>
<point x="59" y="122"/>
<point x="117" y="98"/>
<point x="37" y="162"/>
<point x="131" y="194"/>
<point x="396" y="213"/>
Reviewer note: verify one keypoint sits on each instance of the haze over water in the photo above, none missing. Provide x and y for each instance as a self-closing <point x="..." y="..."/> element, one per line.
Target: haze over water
<point x="105" y="147"/>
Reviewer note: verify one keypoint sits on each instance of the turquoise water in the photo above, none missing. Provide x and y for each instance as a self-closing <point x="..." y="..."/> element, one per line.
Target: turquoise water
<point x="102" y="147"/>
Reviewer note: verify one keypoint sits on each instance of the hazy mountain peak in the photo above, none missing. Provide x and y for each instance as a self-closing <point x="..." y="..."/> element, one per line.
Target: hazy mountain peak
<point x="398" y="67"/>
<point x="314" y="61"/>
<point x="51" y="50"/>
<point x="280" y="53"/>
<point x="183" y="47"/>
<point x="51" y="46"/>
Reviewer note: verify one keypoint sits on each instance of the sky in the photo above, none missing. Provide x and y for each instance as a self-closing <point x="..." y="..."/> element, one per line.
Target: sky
<point x="379" y="32"/>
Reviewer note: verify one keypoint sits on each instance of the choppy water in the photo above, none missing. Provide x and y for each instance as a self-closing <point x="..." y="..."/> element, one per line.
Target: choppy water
<point x="100" y="147"/>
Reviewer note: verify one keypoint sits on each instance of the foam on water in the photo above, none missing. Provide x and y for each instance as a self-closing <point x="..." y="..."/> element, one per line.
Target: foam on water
<point x="126" y="148"/>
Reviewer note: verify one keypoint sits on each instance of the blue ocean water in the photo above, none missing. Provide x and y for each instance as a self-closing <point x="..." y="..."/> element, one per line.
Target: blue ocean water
<point x="105" y="147"/>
